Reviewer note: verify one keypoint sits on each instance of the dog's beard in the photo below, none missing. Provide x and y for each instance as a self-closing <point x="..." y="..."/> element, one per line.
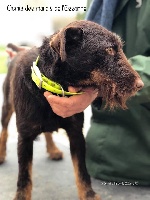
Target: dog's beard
<point x="113" y="96"/>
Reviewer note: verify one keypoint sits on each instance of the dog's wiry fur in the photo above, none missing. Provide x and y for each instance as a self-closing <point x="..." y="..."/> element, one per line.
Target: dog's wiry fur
<point x="82" y="54"/>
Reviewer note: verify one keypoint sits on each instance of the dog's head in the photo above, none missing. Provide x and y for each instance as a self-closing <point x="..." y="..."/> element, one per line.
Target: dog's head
<point x="95" y="58"/>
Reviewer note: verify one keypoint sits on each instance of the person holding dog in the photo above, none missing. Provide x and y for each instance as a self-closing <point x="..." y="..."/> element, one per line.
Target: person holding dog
<point x="118" y="142"/>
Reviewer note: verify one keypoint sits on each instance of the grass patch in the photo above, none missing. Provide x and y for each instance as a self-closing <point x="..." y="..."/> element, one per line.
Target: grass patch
<point x="2" y="48"/>
<point x="3" y="60"/>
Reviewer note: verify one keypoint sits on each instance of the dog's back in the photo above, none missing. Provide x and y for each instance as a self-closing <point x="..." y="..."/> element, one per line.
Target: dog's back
<point x="14" y="64"/>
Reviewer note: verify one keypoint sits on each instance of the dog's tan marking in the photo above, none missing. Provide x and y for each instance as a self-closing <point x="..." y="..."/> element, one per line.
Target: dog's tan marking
<point x="83" y="188"/>
<point x="110" y="51"/>
<point x="52" y="149"/>
<point x="29" y="185"/>
<point x="3" y="140"/>
<point x="96" y="78"/>
<point x="25" y="194"/>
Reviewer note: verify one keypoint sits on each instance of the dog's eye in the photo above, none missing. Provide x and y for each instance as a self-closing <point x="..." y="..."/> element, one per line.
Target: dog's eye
<point x="110" y="51"/>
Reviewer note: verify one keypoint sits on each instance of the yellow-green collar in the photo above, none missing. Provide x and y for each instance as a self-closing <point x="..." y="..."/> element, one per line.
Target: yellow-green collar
<point x="43" y="82"/>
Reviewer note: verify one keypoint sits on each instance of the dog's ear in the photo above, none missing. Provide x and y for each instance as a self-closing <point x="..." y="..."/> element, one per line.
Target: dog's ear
<point x="69" y="37"/>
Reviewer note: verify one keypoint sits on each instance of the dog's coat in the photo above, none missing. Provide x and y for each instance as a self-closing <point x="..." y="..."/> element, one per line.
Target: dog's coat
<point x="82" y="54"/>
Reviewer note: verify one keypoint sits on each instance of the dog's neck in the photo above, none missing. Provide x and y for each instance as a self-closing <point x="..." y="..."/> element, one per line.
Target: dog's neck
<point x="43" y="82"/>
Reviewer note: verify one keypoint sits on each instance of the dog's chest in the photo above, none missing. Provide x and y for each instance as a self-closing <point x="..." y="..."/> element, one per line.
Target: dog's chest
<point x="50" y="124"/>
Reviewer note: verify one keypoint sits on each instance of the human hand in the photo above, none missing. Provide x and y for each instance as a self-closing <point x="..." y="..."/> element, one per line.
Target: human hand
<point x="66" y="107"/>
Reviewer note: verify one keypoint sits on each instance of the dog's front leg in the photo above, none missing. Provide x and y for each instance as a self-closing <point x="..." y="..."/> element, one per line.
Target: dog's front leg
<point x="83" y="182"/>
<point x="25" y="154"/>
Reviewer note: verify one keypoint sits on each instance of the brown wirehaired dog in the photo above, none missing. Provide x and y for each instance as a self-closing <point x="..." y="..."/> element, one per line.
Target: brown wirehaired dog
<point x="82" y="54"/>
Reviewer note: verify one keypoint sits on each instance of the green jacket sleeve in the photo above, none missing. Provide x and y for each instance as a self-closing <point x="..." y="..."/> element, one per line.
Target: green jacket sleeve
<point x="142" y="65"/>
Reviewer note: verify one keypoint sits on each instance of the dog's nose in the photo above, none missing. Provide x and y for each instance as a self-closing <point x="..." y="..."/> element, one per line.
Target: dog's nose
<point x="139" y="84"/>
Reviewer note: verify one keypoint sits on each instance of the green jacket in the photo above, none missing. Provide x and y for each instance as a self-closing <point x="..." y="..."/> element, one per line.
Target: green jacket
<point x="118" y="143"/>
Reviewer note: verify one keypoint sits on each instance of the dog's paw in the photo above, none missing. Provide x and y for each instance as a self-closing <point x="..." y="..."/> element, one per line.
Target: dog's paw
<point x="90" y="195"/>
<point x="56" y="155"/>
<point x="96" y="197"/>
<point x="21" y="195"/>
